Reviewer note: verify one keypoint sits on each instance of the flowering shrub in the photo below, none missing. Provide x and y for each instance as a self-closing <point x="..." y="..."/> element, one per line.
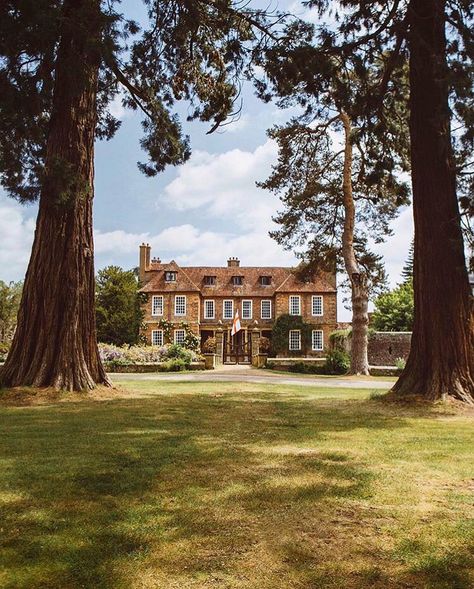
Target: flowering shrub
<point x="145" y="354"/>
<point x="210" y="345"/>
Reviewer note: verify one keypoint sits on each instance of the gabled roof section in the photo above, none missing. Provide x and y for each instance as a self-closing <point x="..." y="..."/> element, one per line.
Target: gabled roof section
<point x="157" y="282"/>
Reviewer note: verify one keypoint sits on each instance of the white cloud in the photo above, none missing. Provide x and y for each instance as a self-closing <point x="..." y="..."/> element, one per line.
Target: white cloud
<point x="16" y="238"/>
<point x="189" y="245"/>
<point x="225" y="184"/>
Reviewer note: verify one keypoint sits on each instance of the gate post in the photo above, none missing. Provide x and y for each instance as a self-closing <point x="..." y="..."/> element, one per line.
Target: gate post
<point x="255" y="346"/>
<point x="219" y="345"/>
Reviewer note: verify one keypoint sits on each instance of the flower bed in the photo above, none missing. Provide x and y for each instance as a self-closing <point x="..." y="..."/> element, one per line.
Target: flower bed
<point x="167" y="358"/>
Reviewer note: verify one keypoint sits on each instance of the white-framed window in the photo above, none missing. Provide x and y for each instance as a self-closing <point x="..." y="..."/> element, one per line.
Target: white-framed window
<point x="295" y="305"/>
<point x="317" y="340"/>
<point x="317" y="305"/>
<point x="157" y="337"/>
<point x="246" y="309"/>
<point x="179" y="336"/>
<point x="294" y="340"/>
<point x="156" y="305"/>
<point x="228" y="309"/>
<point x="266" y="309"/>
<point x="170" y="276"/>
<point x="180" y="305"/>
<point x="209" y="309"/>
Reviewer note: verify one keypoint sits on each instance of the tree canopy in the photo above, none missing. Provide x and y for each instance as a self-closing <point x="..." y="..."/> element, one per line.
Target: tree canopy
<point x="118" y="306"/>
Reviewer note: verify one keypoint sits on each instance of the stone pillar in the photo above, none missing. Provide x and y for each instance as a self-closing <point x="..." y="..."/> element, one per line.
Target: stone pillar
<point x="255" y="345"/>
<point x="219" y="346"/>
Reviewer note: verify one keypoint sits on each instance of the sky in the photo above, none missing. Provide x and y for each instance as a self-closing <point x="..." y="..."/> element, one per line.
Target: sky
<point x="199" y="213"/>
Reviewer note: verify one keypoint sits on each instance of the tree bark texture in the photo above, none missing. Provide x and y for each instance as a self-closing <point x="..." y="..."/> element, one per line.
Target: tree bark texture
<point x="441" y="360"/>
<point x="55" y="341"/>
<point x="359" y="293"/>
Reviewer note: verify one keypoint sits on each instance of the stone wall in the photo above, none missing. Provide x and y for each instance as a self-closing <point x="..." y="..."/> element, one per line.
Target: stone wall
<point x="386" y="346"/>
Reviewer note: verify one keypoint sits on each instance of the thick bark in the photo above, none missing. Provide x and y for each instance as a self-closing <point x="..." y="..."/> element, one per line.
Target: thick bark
<point x="55" y="341"/>
<point x="441" y="360"/>
<point x="359" y="293"/>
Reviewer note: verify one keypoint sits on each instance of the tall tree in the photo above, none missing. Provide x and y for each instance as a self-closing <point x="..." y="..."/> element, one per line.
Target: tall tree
<point x="441" y="361"/>
<point x="118" y="306"/>
<point x="61" y="63"/>
<point x="337" y="182"/>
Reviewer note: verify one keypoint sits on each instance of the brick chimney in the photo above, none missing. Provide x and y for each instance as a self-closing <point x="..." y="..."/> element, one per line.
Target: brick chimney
<point x="144" y="261"/>
<point x="233" y="263"/>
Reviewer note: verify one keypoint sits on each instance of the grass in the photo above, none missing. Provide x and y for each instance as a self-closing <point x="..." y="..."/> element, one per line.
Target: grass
<point x="197" y="485"/>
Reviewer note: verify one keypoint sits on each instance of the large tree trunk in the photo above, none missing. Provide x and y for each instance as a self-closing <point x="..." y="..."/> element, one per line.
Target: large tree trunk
<point x="441" y="361"/>
<point x="55" y="341"/>
<point x="359" y="293"/>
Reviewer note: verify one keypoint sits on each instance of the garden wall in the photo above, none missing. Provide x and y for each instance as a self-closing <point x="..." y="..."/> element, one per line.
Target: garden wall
<point x="147" y="367"/>
<point x="386" y="346"/>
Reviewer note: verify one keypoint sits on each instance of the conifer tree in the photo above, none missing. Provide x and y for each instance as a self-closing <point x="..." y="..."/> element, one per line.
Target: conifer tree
<point x="61" y="64"/>
<point x="441" y="361"/>
<point x="407" y="270"/>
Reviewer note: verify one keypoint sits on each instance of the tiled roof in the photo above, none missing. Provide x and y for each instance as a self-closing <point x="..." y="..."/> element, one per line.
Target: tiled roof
<point x="157" y="281"/>
<point x="191" y="279"/>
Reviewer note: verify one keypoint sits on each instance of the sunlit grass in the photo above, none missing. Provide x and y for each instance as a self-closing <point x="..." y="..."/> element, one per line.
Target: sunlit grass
<point x="193" y="485"/>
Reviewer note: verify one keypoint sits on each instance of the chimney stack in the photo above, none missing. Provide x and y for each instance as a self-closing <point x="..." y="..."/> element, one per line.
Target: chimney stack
<point x="144" y="261"/>
<point x="233" y="263"/>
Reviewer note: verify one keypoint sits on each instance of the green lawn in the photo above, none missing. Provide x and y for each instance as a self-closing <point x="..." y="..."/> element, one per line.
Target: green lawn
<point x="193" y="485"/>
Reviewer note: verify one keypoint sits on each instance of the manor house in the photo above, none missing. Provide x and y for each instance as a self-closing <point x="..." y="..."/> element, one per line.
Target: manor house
<point x="208" y="299"/>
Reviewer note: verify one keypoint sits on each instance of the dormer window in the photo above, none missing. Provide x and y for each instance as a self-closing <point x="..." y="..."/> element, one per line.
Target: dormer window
<point x="170" y="276"/>
<point x="237" y="280"/>
<point x="265" y="280"/>
<point x="209" y="280"/>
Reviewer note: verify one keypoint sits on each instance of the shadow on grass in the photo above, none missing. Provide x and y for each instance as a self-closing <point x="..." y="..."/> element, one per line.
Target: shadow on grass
<point x="93" y="492"/>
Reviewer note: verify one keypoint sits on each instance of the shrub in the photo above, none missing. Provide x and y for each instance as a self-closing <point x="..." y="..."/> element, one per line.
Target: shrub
<point x="338" y="339"/>
<point x="174" y="365"/>
<point x="264" y="345"/>
<point x="175" y="351"/>
<point x="337" y="362"/>
<point x="297" y="367"/>
<point x="210" y="345"/>
<point x="400" y="363"/>
<point x="4" y="349"/>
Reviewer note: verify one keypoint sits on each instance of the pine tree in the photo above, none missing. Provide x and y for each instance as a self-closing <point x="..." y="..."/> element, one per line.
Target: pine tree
<point x="413" y="32"/>
<point x="61" y="64"/>
<point x="407" y="270"/>
<point x="336" y="193"/>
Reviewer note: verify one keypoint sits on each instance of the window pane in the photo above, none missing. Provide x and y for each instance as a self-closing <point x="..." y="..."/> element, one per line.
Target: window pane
<point x="157" y="305"/>
<point x="157" y="337"/>
<point x="228" y="309"/>
<point x="317" y="305"/>
<point x="180" y="305"/>
<point x="295" y="340"/>
<point x="179" y="335"/>
<point x="295" y="305"/>
<point x="317" y="340"/>
<point x="266" y="309"/>
<point x="246" y="309"/>
<point x="208" y="309"/>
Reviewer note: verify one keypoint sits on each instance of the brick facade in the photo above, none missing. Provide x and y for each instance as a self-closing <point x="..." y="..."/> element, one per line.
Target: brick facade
<point x="170" y="280"/>
<point x="386" y="346"/>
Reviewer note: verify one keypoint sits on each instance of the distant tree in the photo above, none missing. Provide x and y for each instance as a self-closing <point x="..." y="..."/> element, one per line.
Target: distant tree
<point x="407" y="270"/>
<point x="62" y="62"/>
<point x="10" y="295"/>
<point x="394" y="310"/>
<point x="118" y="306"/>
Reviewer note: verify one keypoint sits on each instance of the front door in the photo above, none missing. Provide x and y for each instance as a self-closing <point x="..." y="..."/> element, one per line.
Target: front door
<point x="236" y="348"/>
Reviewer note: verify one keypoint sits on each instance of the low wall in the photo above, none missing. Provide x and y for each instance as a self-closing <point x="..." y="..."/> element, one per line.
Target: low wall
<point x="285" y="363"/>
<point x="147" y="367"/>
<point x="386" y="346"/>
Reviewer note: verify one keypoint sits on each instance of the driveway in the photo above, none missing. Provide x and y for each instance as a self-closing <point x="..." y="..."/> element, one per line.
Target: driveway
<point x="242" y="373"/>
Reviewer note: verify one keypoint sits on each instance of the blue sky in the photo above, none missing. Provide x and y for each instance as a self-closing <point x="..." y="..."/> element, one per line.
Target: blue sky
<point x="199" y="213"/>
